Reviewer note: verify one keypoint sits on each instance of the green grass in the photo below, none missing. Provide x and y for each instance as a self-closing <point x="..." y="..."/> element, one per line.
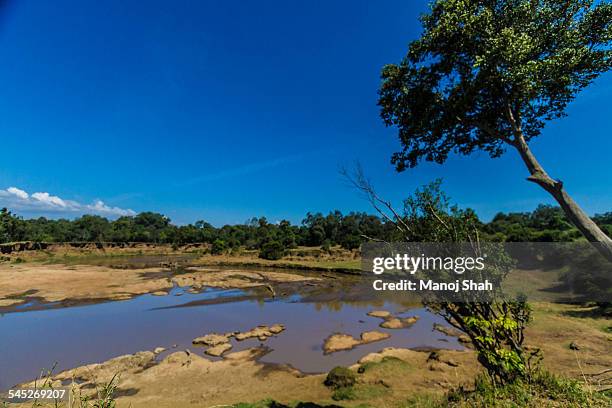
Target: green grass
<point x="360" y="392"/>
<point x="591" y="316"/>
<point x="387" y="364"/>
<point x="543" y="389"/>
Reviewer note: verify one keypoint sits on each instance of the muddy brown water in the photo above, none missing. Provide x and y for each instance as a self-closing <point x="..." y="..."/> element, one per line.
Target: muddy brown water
<point x="38" y="337"/>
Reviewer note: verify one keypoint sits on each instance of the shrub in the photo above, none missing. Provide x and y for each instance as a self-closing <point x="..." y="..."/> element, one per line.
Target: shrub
<point x="326" y="245"/>
<point x="344" y="393"/>
<point x="340" y="377"/>
<point x="219" y="246"/>
<point x="272" y="250"/>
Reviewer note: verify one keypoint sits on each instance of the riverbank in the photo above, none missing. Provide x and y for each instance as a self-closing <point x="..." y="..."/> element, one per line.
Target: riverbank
<point x="574" y="340"/>
<point x="65" y="272"/>
<point x="70" y="285"/>
<point x="312" y="258"/>
<point x="184" y="379"/>
<point x="390" y="377"/>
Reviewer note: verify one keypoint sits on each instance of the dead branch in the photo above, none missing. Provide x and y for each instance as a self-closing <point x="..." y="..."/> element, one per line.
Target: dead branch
<point x="360" y="181"/>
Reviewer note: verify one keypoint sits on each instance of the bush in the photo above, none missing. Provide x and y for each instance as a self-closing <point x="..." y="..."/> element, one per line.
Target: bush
<point x="344" y="393"/>
<point x="326" y="245"/>
<point x="272" y="250"/>
<point x="219" y="246"/>
<point x="340" y="377"/>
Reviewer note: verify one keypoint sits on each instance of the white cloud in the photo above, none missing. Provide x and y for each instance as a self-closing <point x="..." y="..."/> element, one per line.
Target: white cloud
<point x="19" y="193"/>
<point x="49" y="199"/>
<point x="99" y="207"/>
<point x="44" y="203"/>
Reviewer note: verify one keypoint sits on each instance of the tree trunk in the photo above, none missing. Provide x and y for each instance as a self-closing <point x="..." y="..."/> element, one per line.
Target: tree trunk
<point x="574" y="213"/>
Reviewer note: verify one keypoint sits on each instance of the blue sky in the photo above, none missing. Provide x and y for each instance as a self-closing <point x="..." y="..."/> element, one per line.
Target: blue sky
<point x="222" y="110"/>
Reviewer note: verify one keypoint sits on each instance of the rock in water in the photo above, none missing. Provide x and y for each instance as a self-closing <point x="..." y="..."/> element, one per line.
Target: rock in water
<point x="383" y="314"/>
<point x="341" y="341"/>
<point x="213" y="339"/>
<point x="261" y="332"/>
<point x="218" y="350"/>
<point x="372" y="336"/>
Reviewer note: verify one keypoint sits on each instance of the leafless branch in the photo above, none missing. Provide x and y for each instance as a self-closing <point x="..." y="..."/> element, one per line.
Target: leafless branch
<point x="369" y="238"/>
<point x="360" y="181"/>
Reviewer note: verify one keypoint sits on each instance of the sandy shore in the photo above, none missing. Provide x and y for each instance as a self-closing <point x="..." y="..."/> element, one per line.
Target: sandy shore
<point x="85" y="283"/>
<point x="188" y="378"/>
<point x="184" y="378"/>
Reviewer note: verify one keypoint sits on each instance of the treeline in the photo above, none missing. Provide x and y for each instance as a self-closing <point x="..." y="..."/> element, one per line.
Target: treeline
<point x="315" y="230"/>
<point x="545" y="224"/>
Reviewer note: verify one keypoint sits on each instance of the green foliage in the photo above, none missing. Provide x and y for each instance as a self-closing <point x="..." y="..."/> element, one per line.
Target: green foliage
<point x="316" y="229"/>
<point x="219" y="247"/>
<point x="481" y="64"/>
<point x="545" y="223"/>
<point x="488" y="75"/>
<point x="495" y="325"/>
<point x="347" y="231"/>
<point x="11" y="228"/>
<point x="344" y="393"/>
<point x="272" y="250"/>
<point x="91" y="228"/>
<point x="326" y="245"/>
<point x="340" y="377"/>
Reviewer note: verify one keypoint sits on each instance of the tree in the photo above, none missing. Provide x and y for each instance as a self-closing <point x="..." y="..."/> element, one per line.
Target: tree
<point x="272" y="250"/>
<point x="123" y="229"/>
<point x="488" y="74"/>
<point x="494" y="323"/>
<point x="287" y="234"/>
<point x="12" y="228"/>
<point x="148" y="227"/>
<point x="91" y="228"/>
<point x="315" y="227"/>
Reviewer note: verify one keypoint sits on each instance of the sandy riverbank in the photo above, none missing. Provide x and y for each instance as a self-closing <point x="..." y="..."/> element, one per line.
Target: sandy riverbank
<point x="73" y="284"/>
<point x="189" y="378"/>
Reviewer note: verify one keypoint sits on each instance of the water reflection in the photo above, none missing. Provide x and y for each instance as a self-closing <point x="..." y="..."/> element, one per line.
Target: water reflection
<point x="74" y="336"/>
